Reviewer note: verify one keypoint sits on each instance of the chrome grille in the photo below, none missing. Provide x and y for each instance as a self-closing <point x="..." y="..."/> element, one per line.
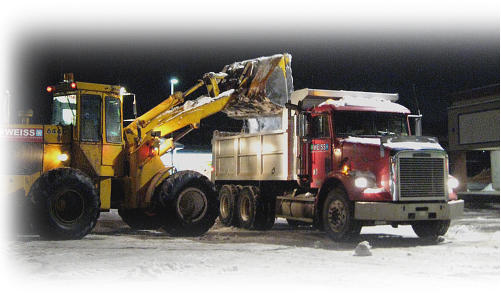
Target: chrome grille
<point x="422" y="178"/>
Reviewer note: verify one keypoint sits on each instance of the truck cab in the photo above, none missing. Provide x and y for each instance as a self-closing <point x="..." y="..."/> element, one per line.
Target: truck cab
<point x="362" y="144"/>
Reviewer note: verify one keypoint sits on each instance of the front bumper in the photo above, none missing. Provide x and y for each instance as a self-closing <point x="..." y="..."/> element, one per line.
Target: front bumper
<point x="398" y="212"/>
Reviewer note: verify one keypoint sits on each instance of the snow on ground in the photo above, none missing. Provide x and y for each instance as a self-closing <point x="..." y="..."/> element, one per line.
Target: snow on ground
<point x="468" y="255"/>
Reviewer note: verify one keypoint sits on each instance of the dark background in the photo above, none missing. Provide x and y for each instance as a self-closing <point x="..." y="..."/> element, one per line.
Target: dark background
<point x="437" y="66"/>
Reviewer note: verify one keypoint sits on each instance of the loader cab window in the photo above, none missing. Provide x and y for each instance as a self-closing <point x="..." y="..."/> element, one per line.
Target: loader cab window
<point x="320" y="126"/>
<point x="113" y="120"/>
<point x="64" y="110"/>
<point x="90" y="117"/>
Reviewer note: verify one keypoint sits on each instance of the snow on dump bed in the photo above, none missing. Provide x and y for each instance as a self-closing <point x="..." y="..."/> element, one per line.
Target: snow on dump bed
<point x="373" y="102"/>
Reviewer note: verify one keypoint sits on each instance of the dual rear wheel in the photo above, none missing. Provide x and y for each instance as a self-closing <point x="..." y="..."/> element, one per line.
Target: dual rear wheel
<point x="245" y="207"/>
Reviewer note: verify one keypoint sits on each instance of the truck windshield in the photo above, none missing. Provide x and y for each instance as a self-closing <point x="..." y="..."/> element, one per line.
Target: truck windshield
<point x="369" y="124"/>
<point x="64" y="109"/>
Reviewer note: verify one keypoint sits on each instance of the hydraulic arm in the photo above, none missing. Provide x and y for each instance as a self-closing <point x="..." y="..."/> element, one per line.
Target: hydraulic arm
<point x="243" y="89"/>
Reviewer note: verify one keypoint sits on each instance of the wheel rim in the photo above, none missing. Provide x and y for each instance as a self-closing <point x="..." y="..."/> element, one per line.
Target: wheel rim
<point x="337" y="216"/>
<point x="245" y="209"/>
<point x="192" y="204"/>
<point x="224" y="205"/>
<point x="68" y="206"/>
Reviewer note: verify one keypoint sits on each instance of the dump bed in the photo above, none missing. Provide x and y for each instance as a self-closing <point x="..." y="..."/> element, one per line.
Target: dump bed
<point x="261" y="156"/>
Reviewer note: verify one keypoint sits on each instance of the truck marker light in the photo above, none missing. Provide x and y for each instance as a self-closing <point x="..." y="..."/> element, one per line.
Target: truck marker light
<point x="50" y="89"/>
<point x="73" y="85"/>
<point x="62" y="157"/>
<point x="345" y="170"/>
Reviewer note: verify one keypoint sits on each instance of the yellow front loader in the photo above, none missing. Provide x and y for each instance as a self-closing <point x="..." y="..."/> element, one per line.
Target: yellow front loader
<point x="86" y="161"/>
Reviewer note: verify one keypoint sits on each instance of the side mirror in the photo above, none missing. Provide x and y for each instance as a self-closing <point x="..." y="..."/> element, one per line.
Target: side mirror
<point x="417" y="124"/>
<point x="303" y="125"/>
<point x="130" y="98"/>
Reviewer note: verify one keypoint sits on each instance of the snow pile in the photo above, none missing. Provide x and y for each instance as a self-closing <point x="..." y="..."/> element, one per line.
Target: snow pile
<point x="363" y="249"/>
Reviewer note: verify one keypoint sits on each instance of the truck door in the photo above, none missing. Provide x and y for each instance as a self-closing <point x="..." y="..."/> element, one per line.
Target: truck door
<point x="321" y="152"/>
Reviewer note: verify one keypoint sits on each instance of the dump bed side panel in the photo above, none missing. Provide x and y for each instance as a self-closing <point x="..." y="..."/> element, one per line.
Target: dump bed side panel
<point x="252" y="157"/>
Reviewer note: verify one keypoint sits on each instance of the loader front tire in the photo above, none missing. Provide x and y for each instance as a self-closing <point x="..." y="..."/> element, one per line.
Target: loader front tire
<point x="66" y="204"/>
<point x="187" y="204"/>
<point x="139" y="219"/>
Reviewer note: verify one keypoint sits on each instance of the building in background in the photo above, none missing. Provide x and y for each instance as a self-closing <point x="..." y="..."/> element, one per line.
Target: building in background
<point x="474" y="141"/>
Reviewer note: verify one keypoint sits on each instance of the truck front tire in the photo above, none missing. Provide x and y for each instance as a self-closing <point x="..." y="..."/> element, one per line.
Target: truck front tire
<point x="431" y="229"/>
<point x="337" y="216"/>
<point x="187" y="204"/>
<point x="66" y="204"/>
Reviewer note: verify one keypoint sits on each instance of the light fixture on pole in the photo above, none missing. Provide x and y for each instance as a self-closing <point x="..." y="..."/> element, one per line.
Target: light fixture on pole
<point x="173" y="81"/>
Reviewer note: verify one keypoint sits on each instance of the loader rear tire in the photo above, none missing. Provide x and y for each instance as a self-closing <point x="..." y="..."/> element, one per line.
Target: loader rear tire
<point x="66" y="204"/>
<point x="187" y="204"/>
<point x="228" y="195"/>
<point x="139" y="219"/>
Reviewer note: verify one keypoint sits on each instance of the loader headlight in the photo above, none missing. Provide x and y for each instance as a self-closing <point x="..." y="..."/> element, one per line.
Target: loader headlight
<point x="361" y="182"/>
<point x="62" y="157"/>
<point x="452" y="182"/>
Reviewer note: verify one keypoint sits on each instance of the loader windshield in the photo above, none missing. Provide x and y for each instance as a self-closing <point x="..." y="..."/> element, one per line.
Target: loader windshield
<point x="64" y="108"/>
<point x="369" y="124"/>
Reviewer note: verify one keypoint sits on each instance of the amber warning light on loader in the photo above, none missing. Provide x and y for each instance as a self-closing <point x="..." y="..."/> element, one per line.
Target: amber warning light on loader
<point x="73" y="85"/>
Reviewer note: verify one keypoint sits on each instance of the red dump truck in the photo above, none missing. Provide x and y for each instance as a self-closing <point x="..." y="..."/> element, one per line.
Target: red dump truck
<point x="339" y="160"/>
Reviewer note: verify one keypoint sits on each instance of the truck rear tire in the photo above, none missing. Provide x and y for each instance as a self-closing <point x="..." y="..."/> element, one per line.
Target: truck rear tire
<point x="337" y="216"/>
<point x="66" y="204"/>
<point x="138" y="219"/>
<point x="187" y="204"/>
<point x="253" y="212"/>
<point x="228" y="195"/>
<point x="430" y="229"/>
<point x="265" y="211"/>
<point x="246" y="207"/>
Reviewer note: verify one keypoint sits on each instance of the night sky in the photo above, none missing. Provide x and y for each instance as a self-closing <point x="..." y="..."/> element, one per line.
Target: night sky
<point x="437" y="65"/>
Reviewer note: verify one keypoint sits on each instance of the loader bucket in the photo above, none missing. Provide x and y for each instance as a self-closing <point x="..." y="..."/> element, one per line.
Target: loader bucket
<point x="263" y="86"/>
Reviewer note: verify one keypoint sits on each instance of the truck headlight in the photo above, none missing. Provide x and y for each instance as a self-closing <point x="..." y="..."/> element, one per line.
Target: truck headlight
<point x="361" y="182"/>
<point x="452" y="182"/>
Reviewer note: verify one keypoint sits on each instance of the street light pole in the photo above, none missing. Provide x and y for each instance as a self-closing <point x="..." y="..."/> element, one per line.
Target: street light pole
<point x="173" y="81"/>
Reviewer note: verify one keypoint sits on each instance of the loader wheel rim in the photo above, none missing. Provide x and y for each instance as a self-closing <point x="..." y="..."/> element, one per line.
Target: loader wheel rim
<point x="245" y="209"/>
<point x="192" y="204"/>
<point x="337" y="216"/>
<point x="68" y="207"/>
<point x="224" y="204"/>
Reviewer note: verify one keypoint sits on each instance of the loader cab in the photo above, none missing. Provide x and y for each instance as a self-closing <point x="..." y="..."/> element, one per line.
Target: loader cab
<point x="94" y="111"/>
